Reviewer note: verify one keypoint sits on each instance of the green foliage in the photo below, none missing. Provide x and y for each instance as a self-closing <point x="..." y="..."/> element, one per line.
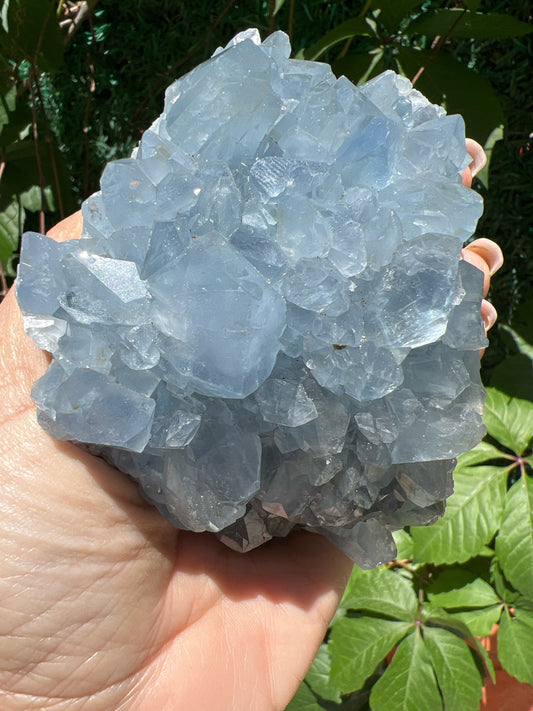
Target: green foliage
<point x="393" y="13"/>
<point x="11" y="218"/>
<point x="357" y="646"/>
<point x="468" y="25"/>
<point x="71" y="84"/>
<point x="515" y="644"/>
<point x="452" y="581"/>
<point x="449" y="82"/>
<point x="409" y="684"/>
<point x="514" y="544"/>
<point x="514" y="375"/>
<point x="304" y="700"/>
<point x="473" y="514"/>
<point x="455" y="667"/>
<point x="413" y="39"/>
<point x="31" y="32"/>
<point x="34" y="175"/>
<point x="370" y="592"/>
<point x="356" y="27"/>
<point x="68" y="107"/>
<point x="319" y="676"/>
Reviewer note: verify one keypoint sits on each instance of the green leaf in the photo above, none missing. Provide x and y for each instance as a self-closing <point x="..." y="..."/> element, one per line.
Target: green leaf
<point x="436" y="617"/>
<point x="31" y="199"/>
<point x="382" y="592"/>
<point x="495" y="136"/>
<point x="34" y="34"/>
<point x="483" y="452"/>
<point x="359" y="68"/>
<point x="473" y="515"/>
<point x="472" y="5"/>
<point x="409" y="683"/>
<point x="458" y="676"/>
<point x="468" y="25"/>
<point x="18" y="126"/>
<point x="394" y="11"/>
<point x="318" y="676"/>
<point x="461" y="90"/>
<point x="515" y="645"/>
<point x="522" y="324"/>
<point x="521" y="344"/>
<point x="356" y="26"/>
<point x="514" y="377"/>
<point x="478" y="593"/>
<point x="304" y="700"/>
<point x="404" y="545"/>
<point x="514" y="544"/>
<point x="500" y="583"/>
<point x="11" y="218"/>
<point x="8" y="91"/>
<point x="509" y="420"/>
<point x="480" y="621"/>
<point x="486" y="552"/>
<point x="450" y="578"/>
<point x="21" y="173"/>
<point x="357" y="645"/>
<point x="278" y="5"/>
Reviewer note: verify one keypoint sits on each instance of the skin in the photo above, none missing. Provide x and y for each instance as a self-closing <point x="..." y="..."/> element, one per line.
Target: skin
<point x="104" y="605"/>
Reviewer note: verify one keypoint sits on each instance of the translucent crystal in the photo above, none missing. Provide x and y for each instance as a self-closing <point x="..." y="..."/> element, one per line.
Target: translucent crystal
<point x="266" y="321"/>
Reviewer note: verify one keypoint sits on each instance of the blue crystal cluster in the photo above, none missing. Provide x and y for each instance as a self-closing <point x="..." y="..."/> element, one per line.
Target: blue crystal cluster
<point x="266" y="321"/>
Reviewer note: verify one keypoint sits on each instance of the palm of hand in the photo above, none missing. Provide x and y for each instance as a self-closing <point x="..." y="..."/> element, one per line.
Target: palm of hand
<point x="107" y="606"/>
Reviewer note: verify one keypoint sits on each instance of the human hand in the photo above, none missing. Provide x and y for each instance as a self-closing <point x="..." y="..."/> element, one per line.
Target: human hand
<point x="482" y="253"/>
<point x="107" y="606"/>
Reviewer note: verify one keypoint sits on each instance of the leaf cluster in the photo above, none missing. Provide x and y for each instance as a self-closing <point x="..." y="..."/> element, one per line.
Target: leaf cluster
<point x="33" y="172"/>
<point x="415" y="623"/>
<point x="417" y="41"/>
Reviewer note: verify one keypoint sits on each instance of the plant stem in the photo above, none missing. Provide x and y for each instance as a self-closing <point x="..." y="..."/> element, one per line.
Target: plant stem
<point x="50" y="142"/>
<point x="440" y="44"/>
<point x="88" y="106"/>
<point x="291" y="19"/>
<point x="349" y="41"/>
<point x="33" y="71"/>
<point x="271" y="16"/>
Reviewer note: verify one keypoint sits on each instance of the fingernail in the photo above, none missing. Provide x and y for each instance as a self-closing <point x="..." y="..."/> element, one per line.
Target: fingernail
<point x="479" y="159"/>
<point x="489" y="251"/>
<point x="489" y="314"/>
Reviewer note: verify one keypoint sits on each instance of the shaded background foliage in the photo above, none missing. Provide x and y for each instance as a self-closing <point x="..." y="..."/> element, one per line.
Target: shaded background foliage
<point x="79" y="82"/>
<point x="106" y="84"/>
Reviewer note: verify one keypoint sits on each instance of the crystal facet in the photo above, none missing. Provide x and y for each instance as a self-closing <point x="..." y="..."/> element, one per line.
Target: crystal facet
<point x="266" y="321"/>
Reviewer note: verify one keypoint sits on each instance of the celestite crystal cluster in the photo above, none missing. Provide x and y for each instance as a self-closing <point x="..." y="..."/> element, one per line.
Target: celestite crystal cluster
<point x="266" y="321"/>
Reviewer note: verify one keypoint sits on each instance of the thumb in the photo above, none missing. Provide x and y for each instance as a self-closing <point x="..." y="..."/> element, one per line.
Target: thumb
<point x="21" y="362"/>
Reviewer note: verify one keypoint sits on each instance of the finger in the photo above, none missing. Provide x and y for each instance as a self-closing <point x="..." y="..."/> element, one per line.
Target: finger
<point x="489" y="314"/>
<point x="489" y="251"/>
<point x="479" y="160"/>
<point x="467" y="177"/>
<point x="69" y="228"/>
<point x="472" y="257"/>
<point x="18" y="353"/>
<point x="486" y="256"/>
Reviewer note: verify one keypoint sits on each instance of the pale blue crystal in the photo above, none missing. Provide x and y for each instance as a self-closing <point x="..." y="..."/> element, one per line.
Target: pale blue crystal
<point x="266" y="321"/>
